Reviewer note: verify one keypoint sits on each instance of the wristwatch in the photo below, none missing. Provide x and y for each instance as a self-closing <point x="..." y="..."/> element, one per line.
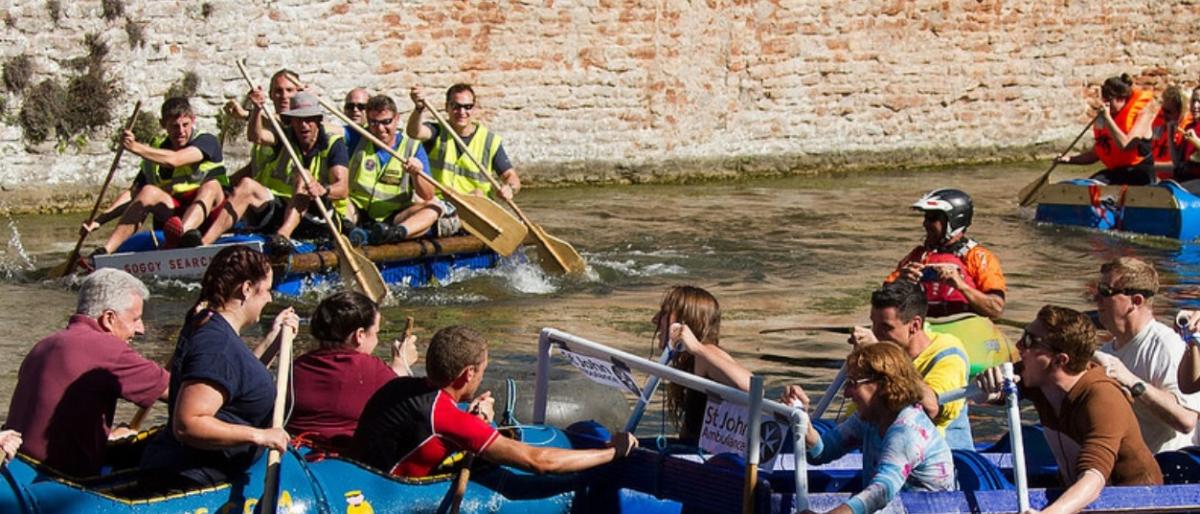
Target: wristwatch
<point x="1137" y="389"/>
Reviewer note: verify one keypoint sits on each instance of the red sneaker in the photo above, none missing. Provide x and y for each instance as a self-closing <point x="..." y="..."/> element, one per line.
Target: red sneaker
<point x="172" y="232"/>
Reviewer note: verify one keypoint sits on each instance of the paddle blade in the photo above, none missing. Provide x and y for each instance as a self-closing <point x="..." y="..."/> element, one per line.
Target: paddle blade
<point x="1029" y="193"/>
<point x="63" y="269"/>
<point x="557" y="256"/>
<point x="499" y="230"/>
<point x="367" y="280"/>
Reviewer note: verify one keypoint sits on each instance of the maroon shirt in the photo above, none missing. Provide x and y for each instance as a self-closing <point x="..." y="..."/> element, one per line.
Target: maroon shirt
<point x="67" y="391"/>
<point x="332" y="386"/>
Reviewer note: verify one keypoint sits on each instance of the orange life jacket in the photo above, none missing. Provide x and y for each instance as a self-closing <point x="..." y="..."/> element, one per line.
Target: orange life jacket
<point x="1161" y="141"/>
<point x="943" y="298"/>
<point x="1106" y="144"/>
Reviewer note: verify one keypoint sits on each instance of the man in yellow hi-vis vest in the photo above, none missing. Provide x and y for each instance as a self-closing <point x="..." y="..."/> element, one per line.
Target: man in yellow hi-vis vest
<point x="449" y="166"/>
<point x="180" y="180"/>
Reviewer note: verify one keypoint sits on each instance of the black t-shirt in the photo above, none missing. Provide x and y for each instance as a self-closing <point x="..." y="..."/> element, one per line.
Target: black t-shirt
<point x="338" y="155"/>
<point x="209" y="147"/>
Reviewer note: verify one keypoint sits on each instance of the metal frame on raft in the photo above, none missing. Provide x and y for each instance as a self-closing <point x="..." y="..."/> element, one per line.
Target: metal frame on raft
<point x="798" y="418"/>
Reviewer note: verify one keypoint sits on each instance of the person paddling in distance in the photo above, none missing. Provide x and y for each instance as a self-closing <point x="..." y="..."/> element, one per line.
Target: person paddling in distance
<point x="451" y="167"/>
<point x="1122" y="133"/>
<point x="898" y="317"/>
<point x="1166" y="131"/>
<point x="182" y="174"/>
<point x="691" y="317"/>
<point x="222" y="394"/>
<point x="334" y="382"/>
<point x="956" y="272"/>
<point x="412" y="424"/>
<point x="901" y="449"/>
<point x="68" y="385"/>
<point x="1188" y="168"/>
<point x="1088" y="422"/>
<point x="388" y="202"/>
<point x="1144" y="354"/>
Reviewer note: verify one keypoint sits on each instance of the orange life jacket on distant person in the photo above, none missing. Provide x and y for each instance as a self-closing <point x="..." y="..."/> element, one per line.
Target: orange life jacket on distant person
<point x="1165" y="138"/>
<point x="1106" y="143"/>
<point x="943" y="298"/>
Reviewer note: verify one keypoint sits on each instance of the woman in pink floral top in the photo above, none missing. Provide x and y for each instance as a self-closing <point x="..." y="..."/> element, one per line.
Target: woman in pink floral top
<point x="901" y="447"/>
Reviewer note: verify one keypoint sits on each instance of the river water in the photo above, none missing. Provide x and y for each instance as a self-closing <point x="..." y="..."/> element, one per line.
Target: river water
<point x="775" y="252"/>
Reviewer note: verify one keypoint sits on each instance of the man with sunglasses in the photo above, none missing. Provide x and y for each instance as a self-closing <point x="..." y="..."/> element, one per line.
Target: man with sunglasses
<point x="389" y="200"/>
<point x="898" y="317"/>
<point x="1144" y="354"/>
<point x="451" y="167"/>
<point x="355" y="108"/>
<point x="1087" y="420"/>
<point x="956" y="272"/>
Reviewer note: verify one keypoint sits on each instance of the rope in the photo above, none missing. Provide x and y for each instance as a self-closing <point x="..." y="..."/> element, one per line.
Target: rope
<point x="508" y="417"/>
<point x="660" y="442"/>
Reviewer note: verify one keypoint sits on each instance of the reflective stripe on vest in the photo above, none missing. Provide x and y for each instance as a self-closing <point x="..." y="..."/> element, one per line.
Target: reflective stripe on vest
<point x="1106" y="143"/>
<point x="183" y="178"/>
<point x="457" y="171"/>
<point x="381" y="190"/>
<point x="276" y="173"/>
<point x="958" y="431"/>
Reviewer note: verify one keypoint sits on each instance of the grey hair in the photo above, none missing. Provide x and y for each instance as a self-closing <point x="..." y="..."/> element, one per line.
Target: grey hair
<point x="109" y="289"/>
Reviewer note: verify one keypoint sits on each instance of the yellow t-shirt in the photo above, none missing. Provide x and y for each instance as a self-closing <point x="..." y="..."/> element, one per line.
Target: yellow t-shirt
<point x="944" y="366"/>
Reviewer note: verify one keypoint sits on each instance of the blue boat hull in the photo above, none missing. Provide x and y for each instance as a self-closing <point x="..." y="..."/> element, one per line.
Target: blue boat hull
<point x="1166" y="209"/>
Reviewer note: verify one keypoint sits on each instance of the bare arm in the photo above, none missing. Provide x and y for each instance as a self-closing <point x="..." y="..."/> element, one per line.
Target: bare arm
<point x="1083" y="492"/>
<point x="339" y="186"/>
<point x="1088" y="157"/>
<point x="196" y="425"/>
<point x="1189" y="370"/>
<point x="541" y="460"/>
<point x="987" y="304"/>
<point x="1161" y="403"/>
<point x="161" y="156"/>
<point x="1139" y="130"/>
<point x="929" y="401"/>
<point x="715" y="363"/>
<point x="422" y="188"/>
<point x="414" y="128"/>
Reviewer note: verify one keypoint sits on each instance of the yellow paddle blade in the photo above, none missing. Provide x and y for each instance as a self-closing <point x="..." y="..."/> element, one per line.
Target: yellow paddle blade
<point x="557" y="256"/>
<point x="493" y="225"/>
<point x="367" y="279"/>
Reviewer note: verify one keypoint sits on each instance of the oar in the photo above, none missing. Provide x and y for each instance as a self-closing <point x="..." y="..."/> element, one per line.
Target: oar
<point x="482" y="218"/>
<point x="830" y="392"/>
<point x="69" y="266"/>
<point x="271" y="485"/>
<point x="811" y="328"/>
<point x="647" y="393"/>
<point x="1015" y="437"/>
<point x="350" y="262"/>
<point x="1029" y="192"/>
<point x="556" y="255"/>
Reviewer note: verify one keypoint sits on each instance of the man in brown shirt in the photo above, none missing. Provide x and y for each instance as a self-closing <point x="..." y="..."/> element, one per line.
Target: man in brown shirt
<point x="1089" y="422"/>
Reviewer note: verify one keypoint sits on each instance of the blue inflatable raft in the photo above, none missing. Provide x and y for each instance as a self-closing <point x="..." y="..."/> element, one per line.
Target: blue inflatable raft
<point x="1165" y="209"/>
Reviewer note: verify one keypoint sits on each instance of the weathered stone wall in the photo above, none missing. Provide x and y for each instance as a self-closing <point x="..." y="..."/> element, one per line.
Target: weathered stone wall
<point x="606" y="90"/>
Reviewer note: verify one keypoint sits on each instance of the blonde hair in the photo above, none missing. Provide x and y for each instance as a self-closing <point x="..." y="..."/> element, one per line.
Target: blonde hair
<point x="1132" y="273"/>
<point x="699" y="310"/>
<point x="899" y="382"/>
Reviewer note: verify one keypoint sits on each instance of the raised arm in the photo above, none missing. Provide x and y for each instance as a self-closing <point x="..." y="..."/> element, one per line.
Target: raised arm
<point x="414" y="128"/>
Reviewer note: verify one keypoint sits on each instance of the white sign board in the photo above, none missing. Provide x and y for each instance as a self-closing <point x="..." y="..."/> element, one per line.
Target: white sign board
<point x="724" y="430"/>
<point x="613" y="374"/>
<point x="176" y="263"/>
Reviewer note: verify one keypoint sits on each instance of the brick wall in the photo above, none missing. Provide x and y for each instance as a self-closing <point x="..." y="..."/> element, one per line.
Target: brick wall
<point x="632" y="91"/>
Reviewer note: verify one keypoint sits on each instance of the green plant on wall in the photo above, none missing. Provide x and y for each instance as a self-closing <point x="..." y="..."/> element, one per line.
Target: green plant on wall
<point x="112" y="9"/>
<point x="54" y="9"/>
<point x="230" y="127"/>
<point x="135" y="32"/>
<point x="186" y="86"/>
<point x="75" y="110"/>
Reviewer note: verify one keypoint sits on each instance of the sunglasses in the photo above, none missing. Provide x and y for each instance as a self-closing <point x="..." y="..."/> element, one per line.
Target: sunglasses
<point x="457" y="106"/>
<point x="1028" y="341"/>
<point x="351" y="106"/>
<point x="381" y="123"/>
<point x="1107" y="291"/>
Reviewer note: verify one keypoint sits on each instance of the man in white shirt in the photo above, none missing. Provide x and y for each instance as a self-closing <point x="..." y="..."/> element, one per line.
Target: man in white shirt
<point x="1144" y="354"/>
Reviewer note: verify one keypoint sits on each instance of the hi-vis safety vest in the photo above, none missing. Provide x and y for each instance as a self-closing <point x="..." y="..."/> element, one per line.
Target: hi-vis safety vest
<point x="276" y="173"/>
<point x="1106" y="143"/>
<point x="381" y="190"/>
<point x="183" y="179"/>
<point x="456" y="171"/>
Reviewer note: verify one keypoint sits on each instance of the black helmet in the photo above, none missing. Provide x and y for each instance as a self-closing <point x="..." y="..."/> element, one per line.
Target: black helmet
<point x="957" y="206"/>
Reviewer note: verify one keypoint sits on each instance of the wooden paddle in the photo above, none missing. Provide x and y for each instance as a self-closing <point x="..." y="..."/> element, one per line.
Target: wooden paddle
<point x="556" y="255"/>
<point x="350" y="262"/>
<point x="811" y="328"/>
<point x="1029" y="193"/>
<point x="482" y="218"/>
<point x="69" y="266"/>
<point x="270" y="495"/>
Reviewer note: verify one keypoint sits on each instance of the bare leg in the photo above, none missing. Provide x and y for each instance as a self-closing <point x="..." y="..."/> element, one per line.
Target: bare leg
<point x="209" y="196"/>
<point x="149" y="199"/>
<point x="417" y="219"/>
<point x="291" y="219"/>
<point x="247" y="193"/>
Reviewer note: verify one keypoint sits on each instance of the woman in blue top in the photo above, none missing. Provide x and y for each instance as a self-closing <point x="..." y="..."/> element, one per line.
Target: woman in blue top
<point x="221" y="393"/>
<point x="901" y="447"/>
